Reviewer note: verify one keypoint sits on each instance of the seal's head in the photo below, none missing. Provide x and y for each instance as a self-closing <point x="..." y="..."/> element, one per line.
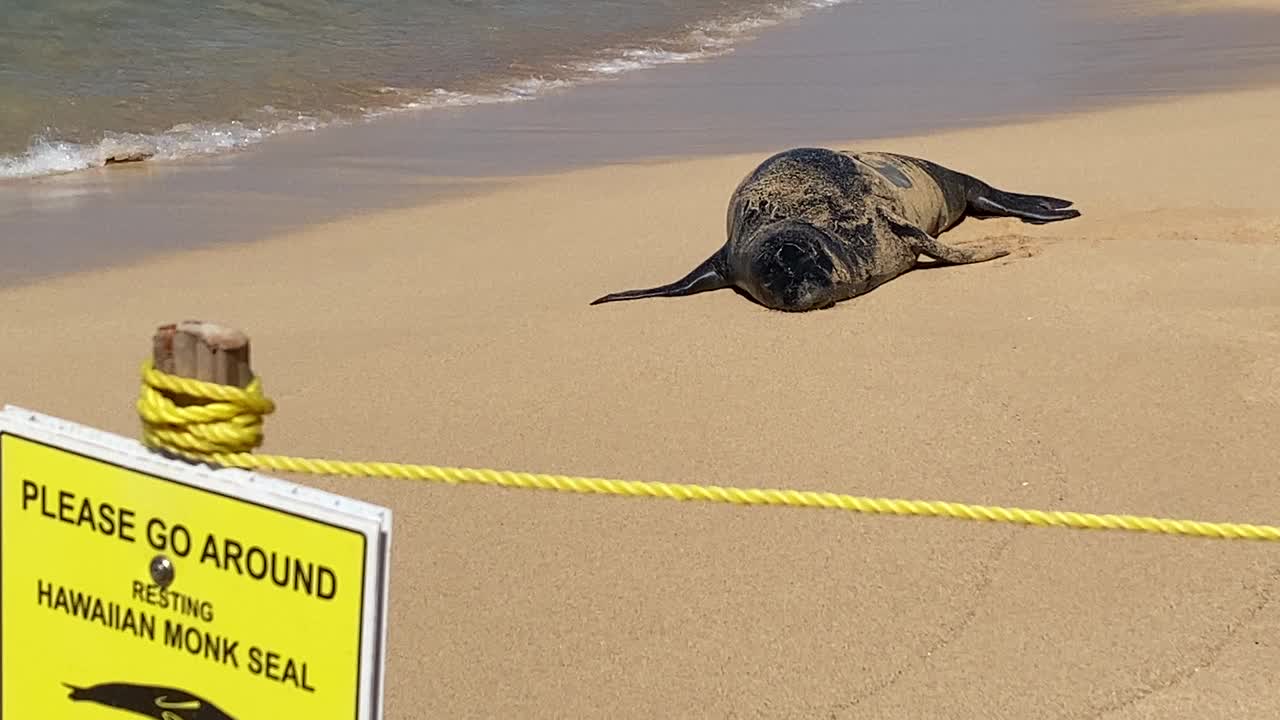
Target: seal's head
<point x="790" y="267"/>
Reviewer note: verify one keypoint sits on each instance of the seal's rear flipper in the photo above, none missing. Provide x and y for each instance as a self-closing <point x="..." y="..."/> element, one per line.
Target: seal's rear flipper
<point x="706" y="276"/>
<point x="1036" y="209"/>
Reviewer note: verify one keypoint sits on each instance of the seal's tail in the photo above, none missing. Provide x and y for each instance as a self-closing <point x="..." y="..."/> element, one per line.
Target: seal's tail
<point x="1036" y="209"/>
<point x="706" y="276"/>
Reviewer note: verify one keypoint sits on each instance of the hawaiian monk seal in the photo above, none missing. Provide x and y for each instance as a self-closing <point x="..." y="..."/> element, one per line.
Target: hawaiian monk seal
<point x="810" y="227"/>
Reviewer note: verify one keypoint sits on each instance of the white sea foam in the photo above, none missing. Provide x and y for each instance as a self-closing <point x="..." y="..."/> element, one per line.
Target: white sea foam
<point x="48" y="155"/>
<point x="699" y="42"/>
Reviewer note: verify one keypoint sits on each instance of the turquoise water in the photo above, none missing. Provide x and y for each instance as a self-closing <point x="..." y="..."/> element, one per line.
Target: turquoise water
<point x="81" y="80"/>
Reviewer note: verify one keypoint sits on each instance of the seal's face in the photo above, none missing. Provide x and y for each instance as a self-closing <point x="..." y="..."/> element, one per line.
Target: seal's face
<point x="790" y="267"/>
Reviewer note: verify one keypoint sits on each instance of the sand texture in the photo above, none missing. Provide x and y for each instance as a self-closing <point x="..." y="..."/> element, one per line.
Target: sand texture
<point x="1127" y="361"/>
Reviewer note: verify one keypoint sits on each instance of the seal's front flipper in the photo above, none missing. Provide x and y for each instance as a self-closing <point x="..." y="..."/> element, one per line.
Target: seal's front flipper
<point x="706" y="276"/>
<point x="1035" y="209"/>
<point x="925" y="244"/>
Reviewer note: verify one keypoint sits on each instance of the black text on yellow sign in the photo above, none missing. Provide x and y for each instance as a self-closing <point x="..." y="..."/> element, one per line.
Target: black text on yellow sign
<point x="265" y="616"/>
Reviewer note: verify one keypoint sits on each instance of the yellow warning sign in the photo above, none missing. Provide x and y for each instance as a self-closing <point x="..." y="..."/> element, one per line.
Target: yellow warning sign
<point x="156" y="590"/>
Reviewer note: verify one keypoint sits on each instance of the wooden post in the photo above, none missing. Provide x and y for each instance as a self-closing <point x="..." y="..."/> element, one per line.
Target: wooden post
<point x="202" y="351"/>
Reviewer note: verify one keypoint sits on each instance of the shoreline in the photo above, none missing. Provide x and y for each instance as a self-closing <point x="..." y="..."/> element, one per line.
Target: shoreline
<point x="123" y="214"/>
<point x="706" y="33"/>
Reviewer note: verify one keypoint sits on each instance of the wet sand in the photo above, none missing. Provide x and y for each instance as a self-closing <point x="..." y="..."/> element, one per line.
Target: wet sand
<point x="1125" y="362"/>
<point x="845" y="72"/>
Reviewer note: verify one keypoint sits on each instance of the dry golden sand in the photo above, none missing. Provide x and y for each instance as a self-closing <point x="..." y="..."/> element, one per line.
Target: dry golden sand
<point x="1199" y="6"/>
<point x="1152" y="8"/>
<point x="1127" y="361"/>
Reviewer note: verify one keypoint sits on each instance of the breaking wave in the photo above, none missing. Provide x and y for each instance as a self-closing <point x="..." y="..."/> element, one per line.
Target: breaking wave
<point x="48" y="155"/>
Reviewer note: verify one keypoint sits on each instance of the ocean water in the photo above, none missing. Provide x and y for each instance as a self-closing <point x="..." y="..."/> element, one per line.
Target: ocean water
<point x="82" y="80"/>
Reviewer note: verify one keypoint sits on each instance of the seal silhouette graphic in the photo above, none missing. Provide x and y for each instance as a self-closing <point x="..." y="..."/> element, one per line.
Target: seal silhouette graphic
<point x="810" y="227"/>
<point x="162" y="703"/>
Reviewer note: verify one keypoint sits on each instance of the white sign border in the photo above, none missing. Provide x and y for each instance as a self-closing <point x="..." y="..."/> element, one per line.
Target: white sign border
<point x="373" y="521"/>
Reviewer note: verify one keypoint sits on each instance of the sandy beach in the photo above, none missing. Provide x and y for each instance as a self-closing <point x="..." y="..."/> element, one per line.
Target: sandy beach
<point x="1122" y="362"/>
<point x="1127" y="361"/>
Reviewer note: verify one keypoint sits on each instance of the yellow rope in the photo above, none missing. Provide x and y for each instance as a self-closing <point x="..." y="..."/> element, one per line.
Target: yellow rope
<point x="227" y="426"/>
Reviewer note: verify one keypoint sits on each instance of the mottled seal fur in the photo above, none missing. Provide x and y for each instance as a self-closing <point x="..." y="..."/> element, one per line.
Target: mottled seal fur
<point x="810" y="227"/>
